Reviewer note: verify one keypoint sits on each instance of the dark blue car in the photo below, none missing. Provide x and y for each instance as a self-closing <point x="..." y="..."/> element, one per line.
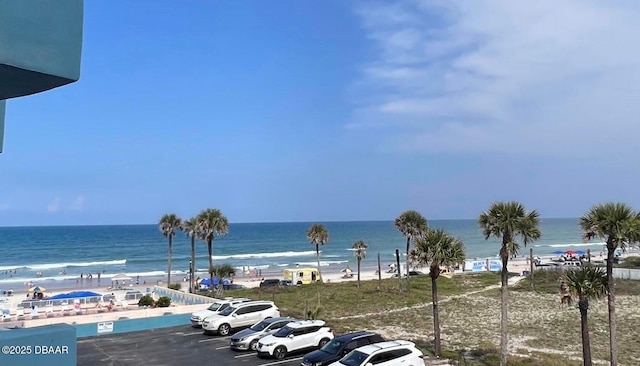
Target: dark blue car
<point x="339" y="347"/>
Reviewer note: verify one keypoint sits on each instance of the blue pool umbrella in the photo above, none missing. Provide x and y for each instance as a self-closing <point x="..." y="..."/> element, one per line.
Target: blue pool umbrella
<point x="216" y="281"/>
<point x="559" y="252"/>
<point x="75" y="295"/>
<point x="579" y="252"/>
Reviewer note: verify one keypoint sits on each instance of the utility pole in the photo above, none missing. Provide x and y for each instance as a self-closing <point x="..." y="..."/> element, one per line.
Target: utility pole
<point x="531" y="268"/>
<point x="379" y="272"/>
<point x="398" y="271"/>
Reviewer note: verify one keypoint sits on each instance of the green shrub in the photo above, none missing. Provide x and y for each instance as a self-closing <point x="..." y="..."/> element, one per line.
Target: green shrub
<point x="146" y="300"/>
<point x="163" y="302"/>
<point x="175" y="286"/>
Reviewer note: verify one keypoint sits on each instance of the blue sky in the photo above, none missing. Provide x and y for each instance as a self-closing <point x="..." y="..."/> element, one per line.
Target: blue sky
<point x="331" y="110"/>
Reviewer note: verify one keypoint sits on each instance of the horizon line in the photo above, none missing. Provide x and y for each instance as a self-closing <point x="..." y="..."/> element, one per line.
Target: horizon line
<point x="262" y="222"/>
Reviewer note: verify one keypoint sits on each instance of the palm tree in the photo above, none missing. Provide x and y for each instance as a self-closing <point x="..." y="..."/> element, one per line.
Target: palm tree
<point x="360" y="251"/>
<point x="211" y="223"/>
<point x="508" y="221"/>
<point x="437" y="248"/>
<point x="221" y="271"/>
<point x="190" y="228"/>
<point x="412" y="225"/>
<point x="619" y="225"/>
<point x="318" y="235"/>
<point x="168" y="224"/>
<point x="586" y="283"/>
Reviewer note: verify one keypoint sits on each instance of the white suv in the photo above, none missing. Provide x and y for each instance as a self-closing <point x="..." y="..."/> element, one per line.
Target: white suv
<point x="390" y="353"/>
<point x="240" y="315"/>
<point x="215" y="308"/>
<point x="295" y="336"/>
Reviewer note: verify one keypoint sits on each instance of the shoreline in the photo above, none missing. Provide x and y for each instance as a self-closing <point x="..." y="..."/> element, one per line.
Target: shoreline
<point x="331" y="273"/>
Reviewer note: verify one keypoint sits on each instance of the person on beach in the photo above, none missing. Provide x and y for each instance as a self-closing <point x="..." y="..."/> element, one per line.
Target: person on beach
<point x="564" y="293"/>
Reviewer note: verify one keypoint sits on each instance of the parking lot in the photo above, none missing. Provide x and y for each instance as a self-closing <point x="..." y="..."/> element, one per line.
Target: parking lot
<point x="175" y="346"/>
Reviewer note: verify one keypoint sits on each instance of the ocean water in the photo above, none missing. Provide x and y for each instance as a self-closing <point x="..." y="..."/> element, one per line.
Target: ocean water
<point x="62" y="253"/>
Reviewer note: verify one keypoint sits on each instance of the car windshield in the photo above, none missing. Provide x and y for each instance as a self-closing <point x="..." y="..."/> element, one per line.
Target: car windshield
<point x="354" y="358"/>
<point x="260" y="326"/>
<point x="283" y="332"/>
<point x="227" y="311"/>
<point x="215" y="306"/>
<point x="333" y="347"/>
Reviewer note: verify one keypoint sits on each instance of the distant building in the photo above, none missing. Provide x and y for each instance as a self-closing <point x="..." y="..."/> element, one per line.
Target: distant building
<point x="40" y="47"/>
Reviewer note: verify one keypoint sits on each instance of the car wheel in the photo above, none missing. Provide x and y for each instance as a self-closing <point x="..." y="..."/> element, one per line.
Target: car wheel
<point x="280" y="352"/>
<point x="253" y="345"/>
<point x="224" y="329"/>
<point x="323" y="341"/>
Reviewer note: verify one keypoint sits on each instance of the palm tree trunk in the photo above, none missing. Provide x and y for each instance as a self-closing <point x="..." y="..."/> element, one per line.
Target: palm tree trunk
<point x="318" y="259"/>
<point x="358" y="272"/>
<point x="169" y="269"/>
<point x="436" y="313"/>
<point x="210" y="249"/>
<point x="611" y="302"/>
<point x="504" y="279"/>
<point x="193" y="264"/>
<point x="586" y="347"/>
<point x="406" y="262"/>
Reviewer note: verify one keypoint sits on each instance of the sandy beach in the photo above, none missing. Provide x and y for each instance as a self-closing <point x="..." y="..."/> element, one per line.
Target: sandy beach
<point x="146" y="285"/>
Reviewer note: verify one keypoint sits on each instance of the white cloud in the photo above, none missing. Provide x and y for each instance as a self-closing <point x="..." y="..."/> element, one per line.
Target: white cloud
<point x="543" y="77"/>
<point x="54" y="206"/>
<point x="78" y="204"/>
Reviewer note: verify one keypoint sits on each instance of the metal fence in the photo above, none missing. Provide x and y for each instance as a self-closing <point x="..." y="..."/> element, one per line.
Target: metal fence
<point x="627" y="273"/>
<point x="622" y="273"/>
<point x="182" y="298"/>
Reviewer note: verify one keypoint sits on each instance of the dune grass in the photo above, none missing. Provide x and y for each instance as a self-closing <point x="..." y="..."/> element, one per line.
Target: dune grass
<point x="541" y="331"/>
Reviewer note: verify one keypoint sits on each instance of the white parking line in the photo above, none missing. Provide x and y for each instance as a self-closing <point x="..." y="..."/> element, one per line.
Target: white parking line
<point x="188" y="334"/>
<point x="213" y="339"/>
<point x="222" y="347"/>
<point x="279" y="362"/>
<point x="245" y="355"/>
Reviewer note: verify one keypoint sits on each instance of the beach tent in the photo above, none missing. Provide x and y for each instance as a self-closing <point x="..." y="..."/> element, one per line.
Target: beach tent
<point x="216" y="281"/>
<point x="37" y="289"/>
<point x="121" y="277"/>
<point x="120" y="280"/>
<point x="558" y="252"/>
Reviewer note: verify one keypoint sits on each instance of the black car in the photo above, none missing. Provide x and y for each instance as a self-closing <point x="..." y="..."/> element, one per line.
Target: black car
<point x="411" y="274"/>
<point x="339" y="347"/>
<point x="270" y="283"/>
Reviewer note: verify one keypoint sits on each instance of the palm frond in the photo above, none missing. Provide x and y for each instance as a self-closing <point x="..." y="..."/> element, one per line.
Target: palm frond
<point x="168" y="223"/>
<point x="438" y="248"/>
<point x="190" y="227"/>
<point x="211" y="223"/>
<point x="616" y="223"/>
<point x="360" y="249"/>
<point x="507" y="221"/>
<point x="411" y="224"/>
<point x="586" y="282"/>
<point x="318" y="234"/>
<point x="222" y="270"/>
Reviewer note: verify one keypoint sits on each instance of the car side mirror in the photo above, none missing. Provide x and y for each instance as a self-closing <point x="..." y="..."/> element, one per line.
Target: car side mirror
<point x="233" y="315"/>
<point x="369" y="364"/>
<point x="290" y="335"/>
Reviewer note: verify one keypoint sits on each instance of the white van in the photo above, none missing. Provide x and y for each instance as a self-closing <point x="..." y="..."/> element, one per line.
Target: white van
<point x="241" y="315"/>
<point x="215" y="308"/>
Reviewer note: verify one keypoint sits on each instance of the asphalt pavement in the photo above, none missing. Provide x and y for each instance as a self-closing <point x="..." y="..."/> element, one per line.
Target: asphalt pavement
<point x="176" y="346"/>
